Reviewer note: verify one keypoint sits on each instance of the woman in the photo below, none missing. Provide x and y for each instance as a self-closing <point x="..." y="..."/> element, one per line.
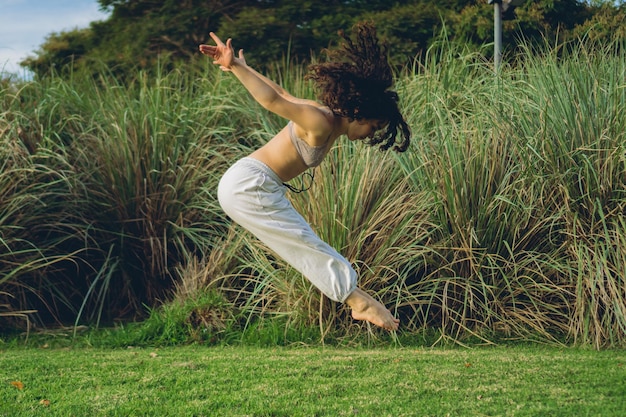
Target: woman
<point x="355" y="102"/>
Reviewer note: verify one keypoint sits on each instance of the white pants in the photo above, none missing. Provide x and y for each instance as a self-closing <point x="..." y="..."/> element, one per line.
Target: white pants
<point x="254" y="196"/>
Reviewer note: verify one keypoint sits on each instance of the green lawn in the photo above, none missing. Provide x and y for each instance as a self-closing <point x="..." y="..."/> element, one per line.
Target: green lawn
<point x="312" y="381"/>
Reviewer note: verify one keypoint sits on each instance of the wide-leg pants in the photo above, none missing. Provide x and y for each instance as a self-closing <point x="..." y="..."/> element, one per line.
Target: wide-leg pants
<point x="254" y="196"/>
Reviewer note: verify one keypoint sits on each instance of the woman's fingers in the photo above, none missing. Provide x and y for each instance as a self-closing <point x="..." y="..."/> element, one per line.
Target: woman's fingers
<point x="221" y="52"/>
<point x="217" y="40"/>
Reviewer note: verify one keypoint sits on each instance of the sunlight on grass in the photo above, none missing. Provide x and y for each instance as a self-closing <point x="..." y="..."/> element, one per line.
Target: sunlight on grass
<point x="313" y="381"/>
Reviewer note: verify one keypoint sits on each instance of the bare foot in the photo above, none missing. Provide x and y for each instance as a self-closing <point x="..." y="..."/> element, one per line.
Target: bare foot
<point x="365" y="307"/>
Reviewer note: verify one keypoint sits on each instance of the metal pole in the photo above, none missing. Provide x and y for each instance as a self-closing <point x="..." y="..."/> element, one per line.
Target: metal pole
<point x="497" y="34"/>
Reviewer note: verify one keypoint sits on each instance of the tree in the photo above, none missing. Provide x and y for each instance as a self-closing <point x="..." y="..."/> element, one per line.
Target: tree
<point x="409" y="30"/>
<point x="60" y="51"/>
<point x="533" y="21"/>
<point x="138" y="34"/>
<point x="141" y="33"/>
<point x="549" y="19"/>
<point x="297" y="28"/>
<point x="606" y="24"/>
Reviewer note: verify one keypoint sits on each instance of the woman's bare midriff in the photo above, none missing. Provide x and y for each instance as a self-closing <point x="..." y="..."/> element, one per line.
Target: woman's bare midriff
<point x="281" y="156"/>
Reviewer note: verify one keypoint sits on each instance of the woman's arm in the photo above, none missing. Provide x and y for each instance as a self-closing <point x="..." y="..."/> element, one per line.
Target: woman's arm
<point x="270" y="95"/>
<point x="280" y="90"/>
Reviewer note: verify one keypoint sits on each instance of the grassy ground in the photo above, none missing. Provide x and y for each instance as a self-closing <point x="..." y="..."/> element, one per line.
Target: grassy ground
<point x="312" y="381"/>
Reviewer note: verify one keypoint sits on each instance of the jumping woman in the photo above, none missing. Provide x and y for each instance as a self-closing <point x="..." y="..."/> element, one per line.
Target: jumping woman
<point x="355" y="101"/>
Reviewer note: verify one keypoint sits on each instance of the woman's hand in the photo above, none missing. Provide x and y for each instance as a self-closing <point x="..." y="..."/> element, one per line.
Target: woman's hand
<point x="222" y="53"/>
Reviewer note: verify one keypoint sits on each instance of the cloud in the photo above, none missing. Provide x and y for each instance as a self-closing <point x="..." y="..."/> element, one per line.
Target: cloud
<point x="25" y="24"/>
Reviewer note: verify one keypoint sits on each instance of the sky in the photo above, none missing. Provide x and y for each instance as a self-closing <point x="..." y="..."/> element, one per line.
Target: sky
<point x="25" y="24"/>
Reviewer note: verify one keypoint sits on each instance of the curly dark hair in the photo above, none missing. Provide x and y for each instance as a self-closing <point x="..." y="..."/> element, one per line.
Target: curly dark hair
<point x="356" y="83"/>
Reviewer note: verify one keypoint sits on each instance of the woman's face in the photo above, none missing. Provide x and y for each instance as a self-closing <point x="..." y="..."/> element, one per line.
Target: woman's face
<point x="364" y="128"/>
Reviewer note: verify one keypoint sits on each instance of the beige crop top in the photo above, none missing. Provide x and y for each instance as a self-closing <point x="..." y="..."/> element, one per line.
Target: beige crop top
<point x="311" y="155"/>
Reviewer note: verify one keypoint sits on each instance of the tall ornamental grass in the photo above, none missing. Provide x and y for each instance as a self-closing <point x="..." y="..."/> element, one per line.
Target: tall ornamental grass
<point x="36" y="228"/>
<point x="110" y="189"/>
<point x="575" y="124"/>
<point x="504" y="220"/>
<point x="527" y="173"/>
